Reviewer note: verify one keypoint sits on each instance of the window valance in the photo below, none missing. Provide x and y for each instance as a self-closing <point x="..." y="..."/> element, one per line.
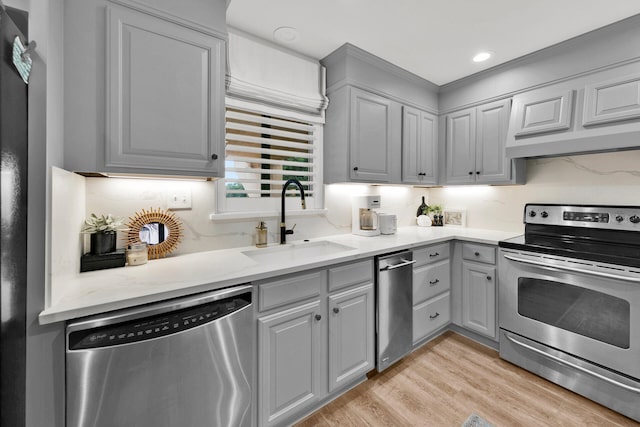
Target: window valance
<point x="261" y="71"/>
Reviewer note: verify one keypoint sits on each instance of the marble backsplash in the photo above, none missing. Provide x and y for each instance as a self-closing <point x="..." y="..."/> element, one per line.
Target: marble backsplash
<point x="610" y="178"/>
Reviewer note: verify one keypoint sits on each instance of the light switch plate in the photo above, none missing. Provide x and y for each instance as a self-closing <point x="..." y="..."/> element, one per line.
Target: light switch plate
<point x="179" y="199"/>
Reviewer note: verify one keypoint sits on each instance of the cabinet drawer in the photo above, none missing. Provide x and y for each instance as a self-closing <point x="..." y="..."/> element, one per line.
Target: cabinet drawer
<point x="430" y="316"/>
<point x="347" y="275"/>
<point x="275" y="293"/>
<point x="431" y="254"/>
<point x="479" y="253"/>
<point x="430" y="280"/>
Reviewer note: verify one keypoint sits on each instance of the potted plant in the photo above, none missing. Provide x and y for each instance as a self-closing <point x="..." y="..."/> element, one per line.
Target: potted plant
<point x="103" y="232"/>
<point x="436" y="210"/>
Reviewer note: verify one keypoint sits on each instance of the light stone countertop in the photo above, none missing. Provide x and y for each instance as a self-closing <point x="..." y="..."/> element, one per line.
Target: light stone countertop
<point x="112" y="289"/>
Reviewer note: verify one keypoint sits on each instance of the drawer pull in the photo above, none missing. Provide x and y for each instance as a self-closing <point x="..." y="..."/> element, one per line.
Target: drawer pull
<point x="433" y="282"/>
<point x="432" y="255"/>
<point x="434" y="316"/>
<point x="477" y="254"/>
<point x="336" y="310"/>
<point x="318" y="317"/>
<point x="488" y="277"/>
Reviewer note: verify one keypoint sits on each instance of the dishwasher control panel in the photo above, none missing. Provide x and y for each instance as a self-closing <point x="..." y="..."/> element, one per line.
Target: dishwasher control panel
<point x="157" y="325"/>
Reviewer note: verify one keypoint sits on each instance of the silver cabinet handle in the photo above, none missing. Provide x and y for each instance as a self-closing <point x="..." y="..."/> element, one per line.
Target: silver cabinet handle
<point x="402" y="264"/>
<point x="572" y="269"/>
<point x="434" y="316"/>
<point x="572" y="365"/>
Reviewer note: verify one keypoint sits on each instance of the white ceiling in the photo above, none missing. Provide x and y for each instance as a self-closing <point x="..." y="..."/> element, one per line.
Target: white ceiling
<point x="433" y="39"/>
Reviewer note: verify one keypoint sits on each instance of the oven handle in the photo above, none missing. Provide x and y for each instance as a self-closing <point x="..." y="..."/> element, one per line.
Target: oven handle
<point x="571" y="365"/>
<point x="572" y="269"/>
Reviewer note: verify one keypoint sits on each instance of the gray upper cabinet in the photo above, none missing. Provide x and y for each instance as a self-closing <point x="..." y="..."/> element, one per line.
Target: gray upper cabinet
<point x="361" y="138"/>
<point x="475" y="146"/>
<point x="540" y="113"/>
<point x="371" y="137"/>
<point x="461" y="147"/>
<point x="380" y="125"/>
<point x="612" y="100"/>
<point x="165" y="86"/>
<point x="144" y="89"/>
<point x="593" y="112"/>
<point x="492" y="122"/>
<point x="419" y="146"/>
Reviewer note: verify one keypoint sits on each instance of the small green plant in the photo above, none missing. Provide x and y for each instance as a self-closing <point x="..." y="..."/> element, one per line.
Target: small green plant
<point x="103" y="224"/>
<point x="436" y="209"/>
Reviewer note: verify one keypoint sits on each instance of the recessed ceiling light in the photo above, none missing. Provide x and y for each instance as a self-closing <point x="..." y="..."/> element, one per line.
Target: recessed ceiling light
<point x="286" y="34"/>
<point x="482" y="56"/>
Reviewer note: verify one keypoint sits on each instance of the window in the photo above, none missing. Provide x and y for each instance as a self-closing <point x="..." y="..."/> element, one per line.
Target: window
<point x="264" y="148"/>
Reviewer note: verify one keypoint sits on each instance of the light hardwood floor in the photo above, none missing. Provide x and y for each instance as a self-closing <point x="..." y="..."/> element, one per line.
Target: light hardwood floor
<point x="450" y="378"/>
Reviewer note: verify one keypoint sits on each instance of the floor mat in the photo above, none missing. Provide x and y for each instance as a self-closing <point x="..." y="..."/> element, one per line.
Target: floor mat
<point x="476" y="421"/>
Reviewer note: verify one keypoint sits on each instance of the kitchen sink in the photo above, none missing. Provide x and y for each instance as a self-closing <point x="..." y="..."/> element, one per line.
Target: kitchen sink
<point x="296" y="251"/>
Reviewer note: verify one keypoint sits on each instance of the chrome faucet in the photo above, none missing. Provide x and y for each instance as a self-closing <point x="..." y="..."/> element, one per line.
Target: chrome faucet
<point x="283" y="226"/>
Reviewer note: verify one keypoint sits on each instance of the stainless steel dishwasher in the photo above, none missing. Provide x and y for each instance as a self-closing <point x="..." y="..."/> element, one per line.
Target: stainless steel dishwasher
<point x="394" y="319"/>
<point x="184" y="362"/>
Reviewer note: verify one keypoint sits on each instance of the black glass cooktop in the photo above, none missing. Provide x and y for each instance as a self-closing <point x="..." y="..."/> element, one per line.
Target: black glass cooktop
<point x="600" y="245"/>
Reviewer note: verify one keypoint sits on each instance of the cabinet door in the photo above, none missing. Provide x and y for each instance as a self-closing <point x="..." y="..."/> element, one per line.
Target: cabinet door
<point x="351" y="335"/>
<point x="419" y="143"/>
<point x="165" y="96"/>
<point x="461" y="151"/>
<point x="290" y="365"/>
<point x="370" y="137"/>
<point x="491" y="137"/>
<point x="479" y="298"/>
<point x="541" y="112"/>
<point x="612" y="100"/>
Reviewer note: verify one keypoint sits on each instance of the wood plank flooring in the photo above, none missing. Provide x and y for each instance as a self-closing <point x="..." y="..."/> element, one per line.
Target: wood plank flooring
<point x="450" y="378"/>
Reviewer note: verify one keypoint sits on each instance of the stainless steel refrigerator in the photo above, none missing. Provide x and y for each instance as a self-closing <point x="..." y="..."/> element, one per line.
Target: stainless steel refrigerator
<point x="13" y="219"/>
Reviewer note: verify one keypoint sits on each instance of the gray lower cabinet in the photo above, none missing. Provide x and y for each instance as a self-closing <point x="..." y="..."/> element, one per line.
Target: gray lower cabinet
<point x="431" y="296"/>
<point x="146" y="93"/>
<point x="479" y="289"/>
<point x="419" y="146"/>
<point x="351" y="335"/>
<point x="316" y="337"/>
<point x="290" y="361"/>
<point x="475" y="146"/>
<point x="361" y="137"/>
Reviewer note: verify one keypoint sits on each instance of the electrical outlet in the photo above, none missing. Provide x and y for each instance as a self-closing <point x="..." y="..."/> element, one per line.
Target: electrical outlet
<point x="179" y="199"/>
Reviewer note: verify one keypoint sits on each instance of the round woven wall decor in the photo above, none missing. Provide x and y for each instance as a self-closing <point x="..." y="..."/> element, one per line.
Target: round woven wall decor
<point x="168" y="219"/>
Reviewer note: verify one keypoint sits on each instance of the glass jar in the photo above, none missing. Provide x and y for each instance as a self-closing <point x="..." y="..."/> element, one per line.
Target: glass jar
<point x="137" y="254"/>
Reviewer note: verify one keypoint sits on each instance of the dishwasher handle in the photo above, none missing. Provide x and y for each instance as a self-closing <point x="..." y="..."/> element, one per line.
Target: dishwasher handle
<point x="404" y="263"/>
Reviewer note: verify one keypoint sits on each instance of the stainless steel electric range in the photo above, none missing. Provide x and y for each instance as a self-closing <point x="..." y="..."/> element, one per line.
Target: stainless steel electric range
<point x="569" y="300"/>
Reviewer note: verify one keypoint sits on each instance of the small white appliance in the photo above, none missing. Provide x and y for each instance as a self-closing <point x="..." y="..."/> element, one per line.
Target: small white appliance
<point x="388" y="223"/>
<point x="364" y="219"/>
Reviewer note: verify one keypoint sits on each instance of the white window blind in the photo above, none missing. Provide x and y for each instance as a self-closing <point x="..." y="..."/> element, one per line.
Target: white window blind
<point x="263" y="151"/>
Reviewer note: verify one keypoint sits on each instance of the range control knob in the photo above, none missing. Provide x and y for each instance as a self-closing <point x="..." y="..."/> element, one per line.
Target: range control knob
<point x="619" y="218"/>
<point x="634" y="219"/>
<point x="532" y="214"/>
<point x="544" y="214"/>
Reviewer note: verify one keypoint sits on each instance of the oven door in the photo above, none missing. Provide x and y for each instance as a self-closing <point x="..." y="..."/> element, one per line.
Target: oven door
<point x="586" y="309"/>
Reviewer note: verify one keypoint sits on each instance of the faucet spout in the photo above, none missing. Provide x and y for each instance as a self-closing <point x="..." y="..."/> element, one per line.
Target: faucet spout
<point x="283" y="225"/>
